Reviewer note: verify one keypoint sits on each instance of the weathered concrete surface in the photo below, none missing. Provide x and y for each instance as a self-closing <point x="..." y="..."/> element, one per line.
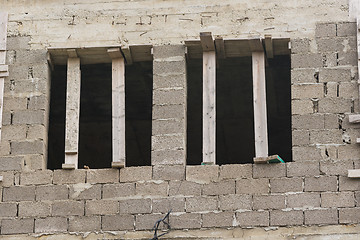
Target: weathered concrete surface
<point x="70" y="23"/>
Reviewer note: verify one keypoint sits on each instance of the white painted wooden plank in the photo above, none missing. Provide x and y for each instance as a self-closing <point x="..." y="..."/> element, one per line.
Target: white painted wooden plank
<point x="3" y="30"/>
<point x="260" y="115"/>
<point x="1" y="178"/>
<point x="209" y="110"/>
<point x="354" y="9"/>
<point x="118" y="112"/>
<point x="2" y="80"/>
<point x="72" y="112"/>
<point x="354" y="173"/>
<point x="355" y="118"/>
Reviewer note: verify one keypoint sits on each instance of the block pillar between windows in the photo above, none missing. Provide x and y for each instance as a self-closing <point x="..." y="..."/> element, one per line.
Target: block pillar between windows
<point x="118" y="108"/>
<point x="209" y="99"/>
<point x="259" y="98"/>
<point x="169" y="106"/>
<point x="3" y="68"/>
<point x="72" y="111"/>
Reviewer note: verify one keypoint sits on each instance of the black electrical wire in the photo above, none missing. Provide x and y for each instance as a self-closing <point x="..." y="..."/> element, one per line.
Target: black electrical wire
<point x="165" y="221"/>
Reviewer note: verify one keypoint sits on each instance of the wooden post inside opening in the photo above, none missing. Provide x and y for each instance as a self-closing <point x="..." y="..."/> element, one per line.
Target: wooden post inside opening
<point x="72" y="111"/>
<point x="118" y="107"/>
<point x="3" y="68"/>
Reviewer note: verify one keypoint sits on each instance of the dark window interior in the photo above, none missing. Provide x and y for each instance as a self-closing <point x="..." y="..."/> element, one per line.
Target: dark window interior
<point x="95" y="135"/>
<point x="234" y="108"/>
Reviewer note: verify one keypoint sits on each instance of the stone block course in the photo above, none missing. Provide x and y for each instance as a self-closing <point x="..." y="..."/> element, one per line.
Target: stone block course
<point x="117" y="222"/>
<point x="335" y="75"/>
<point x="268" y="202"/>
<point x="34" y="209"/>
<point x="300" y="137"/>
<point x="135" y="206"/>
<point x="38" y="103"/>
<point x="52" y="192"/>
<point x="152" y="189"/>
<point x="17" y="193"/>
<point x="133" y="174"/>
<point x="311" y="60"/>
<point x="102" y="176"/>
<point x="283" y="185"/>
<point x="36" y="132"/>
<point x="186" y="220"/>
<point x="178" y="66"/>
<point x="184" y="188"/>
<point x="348" y="184"/>
<point x="304" y="75"/>
<point x="169" y="97"/>
<point x="303" y="200"/>
<point x="168" y="51"/>
<point x="235" y="171"/>
<point x="346" y="29"/>
<point x="302" y="106"/>
<point x="336" y="167"/>
<point x="17" y="226"/>
<point x="255" y="218"/>
<point x="69" y="176"/>
<point x="8" y="179"/>
<point x="337" y="199"/>
<point x="321" y="184"/>
<point x="219" y="188"/>
<point x="13" y="132"/>
<point x="221" y="219"/>
<point x="306" y="91"/>
<point x="235" y="202"/>
<point x="286" y="218"/>
<point x="202" y="174"/>
<point x="146" y="221"/>
<point x="321" y="216"/>
<point x="200" y="204"/>
<point x="36" y="177"/>
<point x="115" y="191"/>
<point x="11" y="163"/>
<point x="169" y="81"/>
<point x="51" y="225"/>
<point x="300" y="45"/>
<point x="169" y="172"/>
<point x="84" y="224"/>
<point x="325" y="30"/>
<point x="300" y="169"/>
<point x="168" y="111"/>
<point x="349" y="215"/>
<point x="28" y="147"/>
<point x="301" y="154"/>
<point x="67" y="208"/>
<point x="8" y="210"/>
<point x="85" y="191"/>
<point x="165" y="142"/>
<point x="15" y="103"/>
<point x="347" y="58"/>
<point x="168" y="157"/>
<point x="334" y="105"/>
<point x="252" y="186"/>
<point x="165" y="204"/>
<point x="29" y="117"/>
<point x="269" y="170"/>
<point x="168" y="126"/>
<point x="326" y="136"/>
<point x="308" y="121"/>
<point x="101" y="207"/>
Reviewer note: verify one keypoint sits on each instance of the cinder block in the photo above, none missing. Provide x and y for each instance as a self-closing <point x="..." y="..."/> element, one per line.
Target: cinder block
<point x="8" y="210"/>
<point x="336" y="167"/>
<point x="303" y="200"/>
<point x="302" y="107"/>
<point x="235" y="202"/>
<point x="200" y="204"/>
<point x="310" y="60"/>
<point x="346" y="29"/>
<point x="202" y="173"/>
<point x="348" y="184"/>
<point x="301" y="154"/>
<point x="253" y="219"/>
<point x="41" y="70"/>
<point x="332" y="121"/>
<point x="169" y="81"/>
<point x="269" y="170"/>
<point x="102" y="176"/>
<point x="184" y="188"/>
<point x="235" y="171"/>
<point x="39" y="102"/>
<point x="336" y="44"/>
<point x="300" y="137"/>
<point x="165" y="204"/>
<point x="34" y="209"/>
<point x="25" y="87"/>
<point x="11" y="163"/>
<point x="17" y="226"/>
<point x="357" y="198"/>
<point x="152" y="189"/>
<point x="85" y="224"/>
<point x="115" y="191"/>
<point x="52" y="192"/>
<point x="29" y="117"/>
<point x="219" y="188"/>
<point x="67" y="208"/>
<point x="185" y="221"/>
<point x="169" y="172"/>
<point x="326" y="136"/>
<point x="165" y="142"/>
<point x="349" y="215"/>
<point x="330" y="59"/>
<point x="321" y="184"/>
<point x="321" y="216"/>
<point x="348" y="90"/>
<point x="222" y="219"/>
<point x="15" y="103"/>
<point x="4" y="148"/>
<point x="169" y="97"/>
<point x="69" y="176"/>
<point x="304" y="75"/>
<point x="347" y="58"/>
<point x="135" y="206"/>
<point x="8" y="179"/>
<point x="28" y="147"/>
<point x="36" y="177"/>
<point x="283" y="185"/>
<point x="133" y="174"/>
<point x="302" y="169"/>
<point x="18" y="42"/>
<point x="168" y="111"/>
<point x="269" y="202"/>
<point x="178" y="66"/>
<point x="101" y="207"/>
<point x="16" y="193"/>
<point x="85" y="191"/>
<point x="51" y="225"/>
<point x="308" y="121"/>
<point x="300" y="45"/>
<point x="168" y="157"/>
<point x="348" y="152"/>
<point x="335" y="105"/>
<point x="335" y="75"/>
<point x="286" y="218"/>
<point x="168" y="51"/>
<point x="33" y="56"/>
<point x="337" y="199"/>
<point x="306" y="91"/>
<point x="147" y="221"/>
<point x="117" y="222"/>
<point x="168" y="126"/>
<point x="325" y="30"/>
<point x="33" y="162"/>
<point x="252" y="186"/>
<point x="36" y="132"/>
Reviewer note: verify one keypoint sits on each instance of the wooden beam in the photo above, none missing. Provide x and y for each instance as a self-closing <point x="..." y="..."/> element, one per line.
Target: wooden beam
<point x="269" y="46"/>
<point x="49" y="60"/>
<point x="220" y="47"/>
<point x="354" y="173"/>
<point x="3" y="31"/>
<point x="255" y="45"/>
<point x="72" y="113"/>
<point x="72" y="53"/>
<point x="3" y="68"/>
<point x="127" y="55"/>
<point x="118" y="108"/>
<point x="209" y="107"/>
<point x="260" y="115"/>
<point x="355" y="118"/>
<point x="207" y="42"/>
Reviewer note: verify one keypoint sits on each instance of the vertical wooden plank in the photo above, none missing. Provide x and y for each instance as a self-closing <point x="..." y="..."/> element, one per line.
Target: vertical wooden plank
<point x="260" y="116"/>
<point x="118" y="112"/>
<point x="209" y="110"/>
<point x="72" y="113"/>
<point x="3" y="67"/>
